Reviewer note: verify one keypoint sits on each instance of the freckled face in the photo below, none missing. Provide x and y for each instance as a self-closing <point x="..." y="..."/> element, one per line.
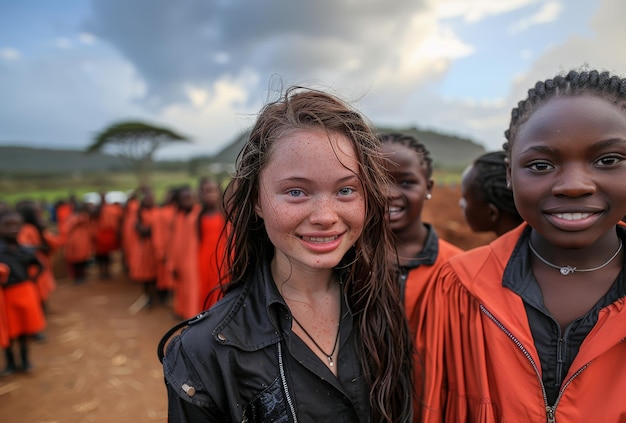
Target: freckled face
<point x="409" y="186"/>
<point x="568" y="167"/>
<point x="311" y="200"/>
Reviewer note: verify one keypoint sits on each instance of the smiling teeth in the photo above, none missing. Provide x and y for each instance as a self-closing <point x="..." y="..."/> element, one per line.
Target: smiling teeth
<point x="320" y="239"/>
<point x="394" y="209"/>
<point x="572" y="216"/>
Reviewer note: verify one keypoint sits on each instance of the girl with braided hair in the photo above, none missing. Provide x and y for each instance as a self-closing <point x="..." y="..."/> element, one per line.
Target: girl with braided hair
<point x="486" y="200"/>
<point x="532" y="325"/>
<point x="419" y="253"/>
<point x="310" y="328"/>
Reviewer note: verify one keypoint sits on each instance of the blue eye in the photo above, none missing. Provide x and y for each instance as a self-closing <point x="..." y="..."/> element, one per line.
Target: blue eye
<point x="346" y="191"/>
<point x="295" y="193"/>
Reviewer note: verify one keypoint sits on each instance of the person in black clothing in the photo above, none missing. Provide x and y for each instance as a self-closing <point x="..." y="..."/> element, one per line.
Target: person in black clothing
<point x="22" y="309"/>
<point x="311" y="327"/>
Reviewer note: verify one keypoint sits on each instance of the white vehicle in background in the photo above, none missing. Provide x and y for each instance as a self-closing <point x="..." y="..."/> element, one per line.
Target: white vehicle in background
<point x="111" y="197"/>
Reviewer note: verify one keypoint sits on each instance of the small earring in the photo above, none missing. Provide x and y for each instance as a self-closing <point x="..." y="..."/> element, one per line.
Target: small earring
<point x="429" y="196"/>
<point x="508" y="184"/>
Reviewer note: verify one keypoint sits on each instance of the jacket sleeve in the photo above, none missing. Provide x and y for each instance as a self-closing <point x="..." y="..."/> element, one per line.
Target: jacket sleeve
<point x="189" y="399"/>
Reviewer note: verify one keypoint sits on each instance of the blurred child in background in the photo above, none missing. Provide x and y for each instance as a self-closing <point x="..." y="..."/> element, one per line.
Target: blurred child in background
<point x="22" y="306"/>
<point x="486" y="198"/>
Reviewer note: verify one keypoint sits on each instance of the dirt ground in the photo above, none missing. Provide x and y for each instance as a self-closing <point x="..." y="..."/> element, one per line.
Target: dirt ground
<point x="99" y="364"/>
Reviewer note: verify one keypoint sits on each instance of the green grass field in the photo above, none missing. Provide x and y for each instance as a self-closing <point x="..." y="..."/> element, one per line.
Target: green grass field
<point x="51" y="188"/>
<point x="55" y="187"/>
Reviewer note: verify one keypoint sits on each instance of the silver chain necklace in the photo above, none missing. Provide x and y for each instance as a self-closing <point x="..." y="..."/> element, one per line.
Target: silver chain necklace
<point x="567" y="270"/>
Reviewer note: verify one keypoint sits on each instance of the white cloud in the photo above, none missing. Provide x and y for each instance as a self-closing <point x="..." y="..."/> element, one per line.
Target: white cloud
<point x="442" y="44"/>
<point x="86" y="38"/>
<point x="9" y="53"/>
<point x="548" y="12"/>
<point x="62" y="42"/>
<point x="477" y="10"/>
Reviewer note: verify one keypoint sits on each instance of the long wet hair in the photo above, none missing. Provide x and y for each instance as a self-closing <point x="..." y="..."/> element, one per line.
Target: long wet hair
<point x="385" y="347"/>
<point x="600" y="84"/>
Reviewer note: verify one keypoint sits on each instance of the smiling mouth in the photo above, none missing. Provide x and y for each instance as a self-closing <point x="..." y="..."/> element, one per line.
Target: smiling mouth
<point x="320" y="239"/>
<point x="395" y="209"/>
<point x="572" y="216"/>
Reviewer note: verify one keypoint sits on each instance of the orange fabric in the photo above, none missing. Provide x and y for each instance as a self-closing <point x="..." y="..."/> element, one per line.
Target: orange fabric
<point x="23" y="309"/>
<point x="29" y="236"/>
<point x="79" y="242"/>
<point x="184" y="261"/>
<point x="129" y="234"/>
<point x="489" y="367"/>
<point x="107" y="226"/>
<point x="142" y="262"/>
<point x="4" y="324"/>
<point x="210" y="256"/>
<point x="161" y="238"/>
<point x="63" y="212"/>
<point x="420" y="283"/>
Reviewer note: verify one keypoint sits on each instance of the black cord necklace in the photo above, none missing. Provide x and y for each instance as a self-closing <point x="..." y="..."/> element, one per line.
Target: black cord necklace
<point x="331" y="363"/>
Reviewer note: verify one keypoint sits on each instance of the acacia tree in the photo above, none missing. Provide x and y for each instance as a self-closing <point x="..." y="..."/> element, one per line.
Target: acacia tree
<point x="135" y="143"/>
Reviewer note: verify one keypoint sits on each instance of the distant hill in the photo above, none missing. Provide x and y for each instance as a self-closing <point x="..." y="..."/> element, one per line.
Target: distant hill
<point x="449" y="152"/>
<point x="41" y="160"/>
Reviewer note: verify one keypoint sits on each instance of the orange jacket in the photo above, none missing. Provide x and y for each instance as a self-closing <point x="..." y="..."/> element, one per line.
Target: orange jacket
<point x="489" y="369"/>
<point x="420" y="282"/>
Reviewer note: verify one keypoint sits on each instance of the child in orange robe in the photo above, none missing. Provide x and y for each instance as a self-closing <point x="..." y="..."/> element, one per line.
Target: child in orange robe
<point x="211" y="235"/>
<point x="21" y="303"/>
<point x="161" y="238"/>
<point x="184" y="256"/>
<point x="143" y="262"/>
<point x="107" y="220"/>
<point x="45" y="243"/>
<point x="79" y="244"/>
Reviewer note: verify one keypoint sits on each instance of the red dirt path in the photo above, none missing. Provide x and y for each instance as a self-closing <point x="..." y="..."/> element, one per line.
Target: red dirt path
<point x="99" y="361"/>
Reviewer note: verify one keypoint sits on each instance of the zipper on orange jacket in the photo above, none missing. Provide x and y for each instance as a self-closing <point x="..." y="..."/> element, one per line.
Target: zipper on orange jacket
<point x="550" y="411"/>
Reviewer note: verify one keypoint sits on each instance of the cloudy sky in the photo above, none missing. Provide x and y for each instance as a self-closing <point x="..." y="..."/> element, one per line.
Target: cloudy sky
<point x="204" y="68"/>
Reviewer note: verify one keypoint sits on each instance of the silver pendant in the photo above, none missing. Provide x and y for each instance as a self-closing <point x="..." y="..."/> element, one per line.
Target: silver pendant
<point x="566" y="270"/>
<point x="330" y="361"/>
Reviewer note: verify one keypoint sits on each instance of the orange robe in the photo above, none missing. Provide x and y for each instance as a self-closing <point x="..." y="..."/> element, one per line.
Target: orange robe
<point x="23" y="309"/>
<point x="107" y="226"/>
<point x="184" y="259"/>
<point x="142" y="262"/>
<point x="29" y="236"/>
<point x="210" y="257"/>
<point x="161" y="237"/>
<point x="129" y="234"/>
<point x="79" y="242"/>
<point x="63" y="212"/>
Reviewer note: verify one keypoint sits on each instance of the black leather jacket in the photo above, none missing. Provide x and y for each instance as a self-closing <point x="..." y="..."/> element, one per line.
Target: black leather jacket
<point x="239" y="362"/>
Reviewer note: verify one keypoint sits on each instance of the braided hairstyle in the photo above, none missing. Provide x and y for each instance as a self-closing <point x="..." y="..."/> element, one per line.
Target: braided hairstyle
<point x="491" y="182"/>
<point x="574" y="83"/>
<point x="414" y="144"/>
